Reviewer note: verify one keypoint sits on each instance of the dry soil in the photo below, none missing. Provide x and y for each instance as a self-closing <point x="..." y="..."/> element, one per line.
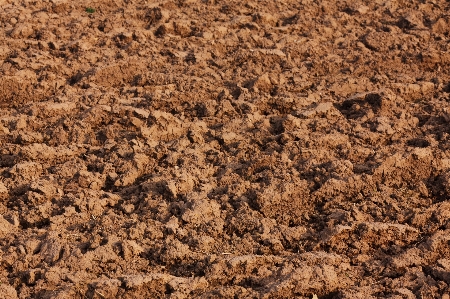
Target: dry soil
<point x="224" y="149"/>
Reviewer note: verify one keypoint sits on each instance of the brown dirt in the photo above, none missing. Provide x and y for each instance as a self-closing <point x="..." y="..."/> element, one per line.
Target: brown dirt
<point x="224" y="149"/>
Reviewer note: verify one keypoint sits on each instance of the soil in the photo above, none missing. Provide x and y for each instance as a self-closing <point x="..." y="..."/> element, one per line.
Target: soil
<point x="224" y="149"/>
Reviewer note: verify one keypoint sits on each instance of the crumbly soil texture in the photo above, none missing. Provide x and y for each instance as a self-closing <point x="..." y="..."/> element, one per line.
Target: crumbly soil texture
<point x="224" y="149"/>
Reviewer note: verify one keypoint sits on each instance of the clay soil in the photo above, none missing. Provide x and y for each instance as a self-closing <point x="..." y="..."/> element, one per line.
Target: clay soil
<point x="224" y="149"/>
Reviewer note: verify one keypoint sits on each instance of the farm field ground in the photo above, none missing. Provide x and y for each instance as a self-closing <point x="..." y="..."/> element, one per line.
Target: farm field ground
<point x="224" y="149"/>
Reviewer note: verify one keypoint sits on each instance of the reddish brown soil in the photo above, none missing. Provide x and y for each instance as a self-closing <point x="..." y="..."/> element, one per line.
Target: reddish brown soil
<point x="224" y="149"/>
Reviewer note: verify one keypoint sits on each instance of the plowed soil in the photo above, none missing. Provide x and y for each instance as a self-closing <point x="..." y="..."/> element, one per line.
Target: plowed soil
<point x="224" y="149"/>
